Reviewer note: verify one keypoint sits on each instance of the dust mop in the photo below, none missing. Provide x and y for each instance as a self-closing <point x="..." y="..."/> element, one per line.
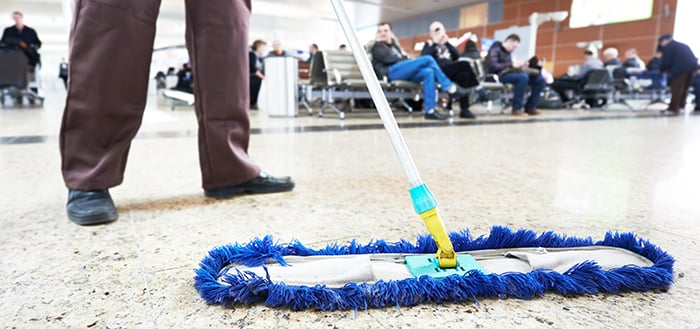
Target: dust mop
<point x="436" y="268"/>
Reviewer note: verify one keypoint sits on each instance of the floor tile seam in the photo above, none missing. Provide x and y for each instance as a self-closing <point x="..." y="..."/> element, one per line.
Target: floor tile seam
<point x="142" y="268"/>
<point x="45" y="139"/>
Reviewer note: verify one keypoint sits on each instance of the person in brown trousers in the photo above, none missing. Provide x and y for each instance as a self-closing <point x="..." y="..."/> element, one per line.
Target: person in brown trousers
<point x="111" y="47"/>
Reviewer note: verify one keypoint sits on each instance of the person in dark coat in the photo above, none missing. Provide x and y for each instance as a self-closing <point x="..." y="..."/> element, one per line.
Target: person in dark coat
<point x="63" y="72"/>
<point x="22" y="36"/>
<point x="499" y="61"/>
<point x="184" y="79"/>
<point x="446" y="55"/>
<point x="680" y="63"/>
<point x="255" y="69"/>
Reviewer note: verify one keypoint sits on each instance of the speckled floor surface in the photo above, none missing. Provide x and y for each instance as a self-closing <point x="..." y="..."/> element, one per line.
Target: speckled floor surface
<point x="634" y="172"/>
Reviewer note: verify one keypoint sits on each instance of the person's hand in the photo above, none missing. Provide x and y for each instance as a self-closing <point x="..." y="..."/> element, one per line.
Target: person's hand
<point x="520" y="64"/>
<point x="259" y="74"/>
<point x="23" y="44"/>
<point x="463" y="39"/>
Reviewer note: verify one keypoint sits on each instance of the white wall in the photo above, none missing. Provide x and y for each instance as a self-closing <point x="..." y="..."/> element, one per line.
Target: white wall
<point x="686" y="26"/>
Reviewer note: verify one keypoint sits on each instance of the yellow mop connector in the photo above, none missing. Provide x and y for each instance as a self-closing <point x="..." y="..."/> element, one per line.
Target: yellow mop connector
<point x="425" y="205"/>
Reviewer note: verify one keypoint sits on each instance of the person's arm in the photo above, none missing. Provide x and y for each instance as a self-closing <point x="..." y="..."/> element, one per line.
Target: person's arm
<point x="454" y="53"/>
<point x="4" y="36"/>
<point x="382" y="53"/>
<point x="428" y="49"/>
<point x="493" y="59"/>
<point x="583" y="70"/>
<point x="35" y="42"/>
<point x="666" y="58"/>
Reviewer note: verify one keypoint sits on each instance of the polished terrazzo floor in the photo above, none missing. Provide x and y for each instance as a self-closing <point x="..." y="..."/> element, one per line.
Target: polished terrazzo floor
<point x="576" y="172"/>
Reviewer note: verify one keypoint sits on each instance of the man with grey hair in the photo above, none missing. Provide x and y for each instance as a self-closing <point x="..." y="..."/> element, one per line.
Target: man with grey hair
<point x="610" y="57"/>
<point x="565" y="83"/>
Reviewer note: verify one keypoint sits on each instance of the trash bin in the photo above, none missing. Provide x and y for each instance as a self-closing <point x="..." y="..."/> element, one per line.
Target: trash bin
<point x="281" y="97"/>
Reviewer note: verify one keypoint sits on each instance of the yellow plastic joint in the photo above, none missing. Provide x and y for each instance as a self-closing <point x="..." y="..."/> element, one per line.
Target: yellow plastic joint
<point x="446" y="255"/>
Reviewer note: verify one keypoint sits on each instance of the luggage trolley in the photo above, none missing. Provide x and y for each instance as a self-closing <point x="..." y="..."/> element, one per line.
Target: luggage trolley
<point x="15" y="79"/>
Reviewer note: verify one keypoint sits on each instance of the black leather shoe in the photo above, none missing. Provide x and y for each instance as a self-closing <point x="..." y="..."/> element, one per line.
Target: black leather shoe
<point x="264" y="183"/>
<point x="434" y="115"/>
<point x="466" y="114"/>
<point x="90" y="207"/>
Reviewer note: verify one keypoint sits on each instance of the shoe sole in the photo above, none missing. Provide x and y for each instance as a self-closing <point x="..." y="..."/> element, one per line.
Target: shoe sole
<point x="233" y="191"/>
<point x="94" y="219"/>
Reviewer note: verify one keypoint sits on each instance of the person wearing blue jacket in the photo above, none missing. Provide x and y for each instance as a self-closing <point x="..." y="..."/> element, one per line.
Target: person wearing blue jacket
<point x="680" y="63"/>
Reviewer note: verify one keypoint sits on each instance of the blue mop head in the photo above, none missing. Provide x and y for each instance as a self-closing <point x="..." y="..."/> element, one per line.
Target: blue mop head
<point x="218" y="286"/>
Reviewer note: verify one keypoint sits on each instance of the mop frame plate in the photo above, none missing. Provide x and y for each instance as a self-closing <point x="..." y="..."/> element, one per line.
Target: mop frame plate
<point x="428" y="265"/>
<point x="217" y="285"/>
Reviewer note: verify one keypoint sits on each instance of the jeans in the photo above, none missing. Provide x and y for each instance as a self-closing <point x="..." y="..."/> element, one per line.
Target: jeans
<point x="422" y="69"/>
<point x="520" y="82"/>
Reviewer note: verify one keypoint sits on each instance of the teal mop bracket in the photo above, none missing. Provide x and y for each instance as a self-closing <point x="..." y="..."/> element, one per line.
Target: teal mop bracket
<point x="423" y="199"/>
<point x="428" y="265"/>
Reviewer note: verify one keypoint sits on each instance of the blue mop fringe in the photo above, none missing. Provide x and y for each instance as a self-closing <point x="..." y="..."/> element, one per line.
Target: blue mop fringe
<point x="216" y="285"/>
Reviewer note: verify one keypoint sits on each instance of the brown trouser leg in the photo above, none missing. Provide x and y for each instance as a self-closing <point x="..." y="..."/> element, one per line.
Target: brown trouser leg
<point x="217" y="39"/>
<point x="111" y="47"/>
<point x="679" y="91"/>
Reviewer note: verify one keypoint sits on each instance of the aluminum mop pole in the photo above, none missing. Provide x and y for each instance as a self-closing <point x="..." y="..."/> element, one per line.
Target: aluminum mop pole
<point x="423" y="200"/>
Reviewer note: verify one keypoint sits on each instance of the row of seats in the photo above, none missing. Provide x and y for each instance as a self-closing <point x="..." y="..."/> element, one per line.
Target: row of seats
<point x="616" y="85"/>
<point x="335" y="75"/>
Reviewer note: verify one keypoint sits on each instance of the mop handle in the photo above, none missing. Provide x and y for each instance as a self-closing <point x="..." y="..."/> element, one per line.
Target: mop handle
<point x="392" y="128"/>
<point x="424" y="202"/>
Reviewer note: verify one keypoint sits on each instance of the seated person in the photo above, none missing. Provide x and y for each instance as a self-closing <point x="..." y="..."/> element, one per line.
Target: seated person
<point x="654" y="63"/>
<point x="565" y="83"/>
<point x="184" y="79"/>
<point x="389" y="60"/>
<point x="610" y="57"/>
<point x="632" y="60"/>
<point x="446" y="55"/>
<point x="160" y="80"/>
<point x="499" y="61"/>
<point x="537" y="63"/>
<point x="470" y="48"/>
